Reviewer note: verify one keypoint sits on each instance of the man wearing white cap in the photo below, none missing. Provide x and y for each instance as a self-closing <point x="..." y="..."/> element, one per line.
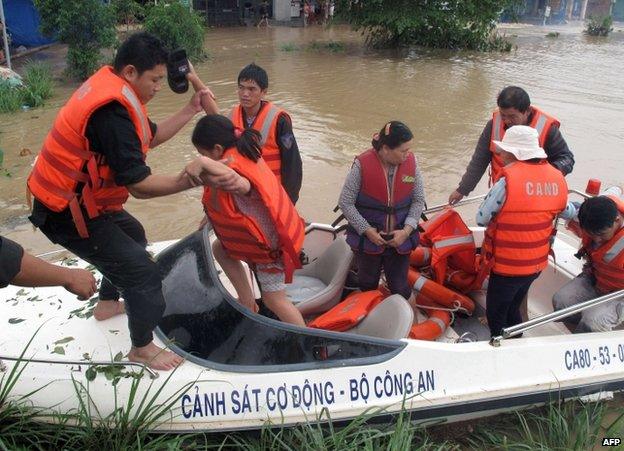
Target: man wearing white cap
<point x="519" y="212"/>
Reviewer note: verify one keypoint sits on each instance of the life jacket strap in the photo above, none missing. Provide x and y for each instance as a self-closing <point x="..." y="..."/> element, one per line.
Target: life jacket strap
<point x="385" y="209"/>
<point x="77" y="216"/>
<point x="57" y="164"/>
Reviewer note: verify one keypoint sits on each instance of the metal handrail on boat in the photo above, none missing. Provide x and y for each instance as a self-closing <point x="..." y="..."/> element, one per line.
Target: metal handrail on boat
<point x="466" y="201"/>
<point x="512" y="331"/>
<point x="580" y="193"/>
<point x="152" y="374"/>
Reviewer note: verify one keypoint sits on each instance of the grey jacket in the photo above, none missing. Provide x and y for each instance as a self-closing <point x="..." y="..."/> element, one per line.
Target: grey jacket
<point x="559" y="155"/>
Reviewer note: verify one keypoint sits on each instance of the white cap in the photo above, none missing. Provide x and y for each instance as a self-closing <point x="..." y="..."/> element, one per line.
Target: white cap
<point x="523" y="142"/>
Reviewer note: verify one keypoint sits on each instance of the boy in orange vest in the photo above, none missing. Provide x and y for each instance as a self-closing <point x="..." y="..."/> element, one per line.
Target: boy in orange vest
<point x="279" y="147"/>
<point x="601" y="219"/>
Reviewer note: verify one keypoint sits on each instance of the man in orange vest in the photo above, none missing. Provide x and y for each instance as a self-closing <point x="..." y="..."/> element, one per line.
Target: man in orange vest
<point x="514" y="108"/>
<point x="91" y="160"/>
<point x="279" y="147"/>
<point x="601" y="219"/>
<point x="520" y="212"/>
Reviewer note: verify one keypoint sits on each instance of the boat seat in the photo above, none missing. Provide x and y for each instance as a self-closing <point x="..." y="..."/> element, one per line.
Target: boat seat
<point x="317" y="287"/>
<point x="391" y="319"/>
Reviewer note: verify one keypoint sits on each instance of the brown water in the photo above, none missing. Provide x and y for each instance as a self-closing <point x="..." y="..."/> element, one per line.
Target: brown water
<point x="338" y="100"/>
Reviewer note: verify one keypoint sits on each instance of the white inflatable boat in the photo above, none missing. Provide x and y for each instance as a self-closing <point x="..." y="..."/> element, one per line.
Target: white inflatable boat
<point x="243" y="370"/>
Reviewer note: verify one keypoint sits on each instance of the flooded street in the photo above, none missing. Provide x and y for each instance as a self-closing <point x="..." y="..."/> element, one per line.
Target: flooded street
<point x="339" y="99"/>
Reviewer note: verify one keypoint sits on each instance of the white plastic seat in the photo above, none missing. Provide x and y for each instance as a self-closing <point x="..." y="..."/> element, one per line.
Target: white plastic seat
<point x="391" y="319"/>
<point x="317" y="287"/>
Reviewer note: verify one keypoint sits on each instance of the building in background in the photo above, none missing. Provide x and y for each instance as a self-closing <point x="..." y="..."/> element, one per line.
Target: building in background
<point x="247" y="12"/>
<point x="564" y="10"/>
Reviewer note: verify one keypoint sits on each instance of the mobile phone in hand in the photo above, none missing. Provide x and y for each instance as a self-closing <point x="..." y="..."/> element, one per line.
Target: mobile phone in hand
<point x="177" y="68"/>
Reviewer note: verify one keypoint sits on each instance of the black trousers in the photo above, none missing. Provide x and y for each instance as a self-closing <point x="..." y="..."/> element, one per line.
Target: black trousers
<point x="395" y="268"/>
<point x="503" y="300"/>
<point x="116" y="247"/>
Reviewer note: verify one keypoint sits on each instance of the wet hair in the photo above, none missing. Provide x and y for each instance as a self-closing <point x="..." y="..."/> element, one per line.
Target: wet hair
<point x="514" y="97"/>
<point x="215" y="129"/>
<point x="393" y="134"/>
<point x="597" y="214"/>
<point x="253" y="72"/>
<point x="142" y="50"/>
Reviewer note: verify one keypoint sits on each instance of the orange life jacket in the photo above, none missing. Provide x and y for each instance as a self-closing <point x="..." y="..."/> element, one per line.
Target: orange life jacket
<point x="266" y="123"/>
<point x="349" y="312"/>
<point x="607" y="260"/>
<point x="518" y="238"/>
<point x="420" y="257"/>
<point x="452" y="243"/>
<point x="65" y="159"/>
<point x="242" y="236"/>
<point x="539" y="121"/>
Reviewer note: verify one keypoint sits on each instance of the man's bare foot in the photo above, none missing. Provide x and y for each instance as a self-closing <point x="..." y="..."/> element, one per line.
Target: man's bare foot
<point x="107" y="309"/>
<point x="155" y="357"/>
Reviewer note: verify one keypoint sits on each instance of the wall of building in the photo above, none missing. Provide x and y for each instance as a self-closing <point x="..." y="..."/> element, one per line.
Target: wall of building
<point x="286" y="10"/>
<point x="281" y="10"/>
<point x="598" y="7"/>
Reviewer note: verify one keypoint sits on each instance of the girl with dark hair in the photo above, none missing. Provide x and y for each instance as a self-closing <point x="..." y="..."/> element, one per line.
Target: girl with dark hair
<point x="252" y="215"/>
<point x="383" y="199"/>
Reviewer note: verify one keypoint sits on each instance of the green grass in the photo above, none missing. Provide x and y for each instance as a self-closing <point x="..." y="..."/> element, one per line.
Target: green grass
<point x="560" y="426"/>
<point x="38" y="87"/>
<point x="289" y="47"/>
<point x="39" y="84"/>
<point x="10" y="98"/>
<point x="332" y="46"/>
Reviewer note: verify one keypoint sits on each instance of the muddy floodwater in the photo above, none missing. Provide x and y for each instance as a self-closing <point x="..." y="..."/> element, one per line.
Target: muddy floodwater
<point x="338" y="99"/>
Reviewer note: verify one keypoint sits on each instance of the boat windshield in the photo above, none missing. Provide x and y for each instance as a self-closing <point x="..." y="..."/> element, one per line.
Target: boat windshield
<point x="206" y="325"/>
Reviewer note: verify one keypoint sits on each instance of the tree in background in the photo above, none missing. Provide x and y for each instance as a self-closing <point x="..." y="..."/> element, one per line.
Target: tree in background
<point x="433" y="23"/>
<point x="126" y="11"/>
<point x="86" y="26"/>
<point x="178" y="27"/>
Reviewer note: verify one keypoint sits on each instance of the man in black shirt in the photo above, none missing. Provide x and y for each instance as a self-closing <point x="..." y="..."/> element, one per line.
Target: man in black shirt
<point x="22" y="269"/>
<point x="116" y="134"/>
